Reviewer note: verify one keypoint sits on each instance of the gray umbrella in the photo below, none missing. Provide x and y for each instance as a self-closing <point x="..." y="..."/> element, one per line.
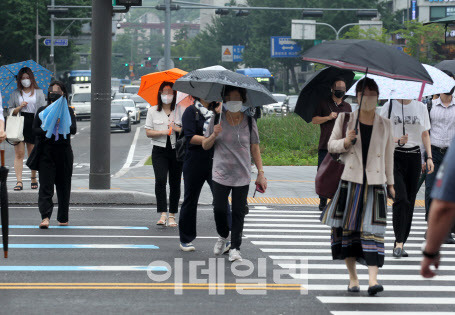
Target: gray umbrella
<point x="209" y="85"/>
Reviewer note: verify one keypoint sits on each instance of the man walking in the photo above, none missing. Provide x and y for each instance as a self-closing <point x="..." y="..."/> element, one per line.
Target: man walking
<point x="325" y="116"/>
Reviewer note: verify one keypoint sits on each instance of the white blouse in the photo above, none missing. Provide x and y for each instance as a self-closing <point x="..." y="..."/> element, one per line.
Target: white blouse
<point x="159" y="121"/>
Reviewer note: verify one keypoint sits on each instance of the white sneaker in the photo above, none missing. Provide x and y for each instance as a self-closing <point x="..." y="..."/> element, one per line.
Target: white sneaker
<point x="221" y="246"/>
<point x="234" y="255"/>
<point x="187" y="247"/>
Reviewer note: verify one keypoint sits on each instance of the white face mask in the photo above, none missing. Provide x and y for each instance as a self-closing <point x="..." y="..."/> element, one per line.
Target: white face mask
<point x="26" y="83"/>
<point x="167" y="99"/>
<point x="234" y="106"/>
<point x="369" y="102"/>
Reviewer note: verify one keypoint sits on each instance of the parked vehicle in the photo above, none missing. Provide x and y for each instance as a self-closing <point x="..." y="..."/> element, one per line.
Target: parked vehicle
<point x="120" y="118"/>
<point x="290" y="103"/>
<point x="81" y="101"/>
<point x="131" y="106"/>
<point x="132" y="89"/>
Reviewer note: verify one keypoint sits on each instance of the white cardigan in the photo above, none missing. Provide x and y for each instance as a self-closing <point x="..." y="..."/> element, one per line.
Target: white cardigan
<point x="159" y="121"/>
<point x="379" y="166"/>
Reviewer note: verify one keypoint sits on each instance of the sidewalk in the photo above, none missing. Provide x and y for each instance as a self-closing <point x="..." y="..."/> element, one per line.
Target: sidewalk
<point x="286" y="185"/>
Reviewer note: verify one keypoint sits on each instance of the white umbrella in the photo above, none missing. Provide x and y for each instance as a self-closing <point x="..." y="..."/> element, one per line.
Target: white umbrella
<point x="400" y="89"/>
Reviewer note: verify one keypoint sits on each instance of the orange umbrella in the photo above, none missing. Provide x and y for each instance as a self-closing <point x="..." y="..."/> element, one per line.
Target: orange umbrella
<point x="150" y="83"/>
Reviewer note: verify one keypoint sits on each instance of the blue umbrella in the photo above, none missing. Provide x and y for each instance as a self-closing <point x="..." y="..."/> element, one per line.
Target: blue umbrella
<point x="8" y="77"/>
<point x="51" y="114"/>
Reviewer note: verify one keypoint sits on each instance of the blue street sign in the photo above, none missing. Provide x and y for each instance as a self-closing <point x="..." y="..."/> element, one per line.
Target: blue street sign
<point x="237" y="53"/>
<point x="284" y="47"/>
<point x="57" y="42"/>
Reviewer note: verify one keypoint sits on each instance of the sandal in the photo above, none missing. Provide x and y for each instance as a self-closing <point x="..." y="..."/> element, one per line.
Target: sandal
<point x="172" y="224"/>
<point x="161" y="220"/>
<point x="19" y="187"/>
<point x="34" y="185"/>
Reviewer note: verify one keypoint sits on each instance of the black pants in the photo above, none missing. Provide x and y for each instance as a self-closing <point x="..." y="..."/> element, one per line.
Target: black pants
<point x="55" y="168"/>
<point x="239" y="196"/>
<point x="438" y="157"/>
<point x="407" y="168"/>
<point x="164" y="163"/>
<point x="321" y="157"/>
<point x="197" y="169"/>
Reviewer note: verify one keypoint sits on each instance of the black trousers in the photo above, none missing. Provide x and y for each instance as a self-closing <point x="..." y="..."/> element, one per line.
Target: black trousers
<point x="407" y="168"/>
<point x="321" y="157"/>
<point x="165" y="163"/>
<point x="197" y="169"/>
<point x="438" y="157"/>
<point x="55" y="169"/>
<point x="239" y="202"/>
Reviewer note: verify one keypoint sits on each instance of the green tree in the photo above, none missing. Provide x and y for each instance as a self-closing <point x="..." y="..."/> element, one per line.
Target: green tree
<point x="380" y="35"/>
<point x="421" y="40"/>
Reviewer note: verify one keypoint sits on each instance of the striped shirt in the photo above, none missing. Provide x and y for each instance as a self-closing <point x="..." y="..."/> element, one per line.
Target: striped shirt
<point x="442" y="123"/>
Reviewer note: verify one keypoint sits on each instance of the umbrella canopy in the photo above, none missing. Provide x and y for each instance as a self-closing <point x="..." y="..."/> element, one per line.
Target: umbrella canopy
<point x="49" y="116"/>
<point x="8" y="77"/>
<point x="448" y="65"/>
<point x="150" y="83"/>
<point x="4" y="202"/>
<point x="363" y="55"/>
<point x="399" y="89"/>
<point x="318" y="88"/>
<point x="209" y="85"/>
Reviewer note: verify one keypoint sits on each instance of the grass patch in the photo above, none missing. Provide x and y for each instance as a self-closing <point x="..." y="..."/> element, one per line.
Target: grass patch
<point x="288" y="141"/>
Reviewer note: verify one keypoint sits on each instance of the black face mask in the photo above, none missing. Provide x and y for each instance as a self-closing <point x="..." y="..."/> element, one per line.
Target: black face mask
<point x="339" y="93"/>
<point x="53" y="97"/>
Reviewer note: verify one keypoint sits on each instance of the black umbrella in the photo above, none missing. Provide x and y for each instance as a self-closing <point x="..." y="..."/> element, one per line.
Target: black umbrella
<point x="368" y="56"/>
<point x="448" y="65"/>
<point x="317" y="88"/>
<point x="4" y="202"/>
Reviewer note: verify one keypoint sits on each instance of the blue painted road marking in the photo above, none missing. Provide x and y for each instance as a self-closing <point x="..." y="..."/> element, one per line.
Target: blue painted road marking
<point x="88" y="227"/>
<point x="82" y="268"/>
<point x="80" y="246"/>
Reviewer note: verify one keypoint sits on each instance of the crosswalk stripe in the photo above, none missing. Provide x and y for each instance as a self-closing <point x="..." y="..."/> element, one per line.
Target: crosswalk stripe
<point x="398" y="288"/>
<point x="381" y="277"/>
<point x="328" y="250"/>
<point x="303" y="215"/>
<point x="323" y="237"/>
<point x="82" y="268"/>
<point x="82" y="227"/>
<point x="387" y="313"/>
<point x="389" y="226"/>
<point x="312" y="220"/>
<point x="382" y="300"/>
<point x="82" y="246"/>
<point x="280" y="243"/>
<point x="359" y="266"/>
<point x="304" y="231"/>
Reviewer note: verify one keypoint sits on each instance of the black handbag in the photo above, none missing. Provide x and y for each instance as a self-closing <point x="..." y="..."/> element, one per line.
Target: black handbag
<point x="33" y="159"/>
<point x="180" y="144"/>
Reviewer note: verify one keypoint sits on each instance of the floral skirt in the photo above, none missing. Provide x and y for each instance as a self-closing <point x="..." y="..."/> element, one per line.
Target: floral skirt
<point x="358" y="217"/>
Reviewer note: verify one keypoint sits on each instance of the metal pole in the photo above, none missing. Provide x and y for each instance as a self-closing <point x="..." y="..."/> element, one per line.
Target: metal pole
<point x="343" y="27"/>
<point x="37" y="33"/>
<point x="52" y="42"/>
<point x="100" y="137"/>
<point x="167" y="35"/>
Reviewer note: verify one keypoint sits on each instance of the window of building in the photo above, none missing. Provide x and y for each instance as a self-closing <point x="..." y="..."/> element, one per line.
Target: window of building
<point x="437" y="13"/>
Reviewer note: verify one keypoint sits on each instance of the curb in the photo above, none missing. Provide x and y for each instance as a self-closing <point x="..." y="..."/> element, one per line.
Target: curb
<point x="89" y="197"/>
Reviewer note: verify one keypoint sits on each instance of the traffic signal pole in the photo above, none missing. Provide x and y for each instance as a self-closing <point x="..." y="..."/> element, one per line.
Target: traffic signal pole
<point x="100" y="131"/>
<point x="167" y="35"/>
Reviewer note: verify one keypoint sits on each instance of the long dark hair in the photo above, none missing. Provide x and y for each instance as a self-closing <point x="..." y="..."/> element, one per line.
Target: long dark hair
<point x="229" y="88"/>
<point x="62" y="87"/>
<point x="26" y="70"/>
<point x="160" y="91"/>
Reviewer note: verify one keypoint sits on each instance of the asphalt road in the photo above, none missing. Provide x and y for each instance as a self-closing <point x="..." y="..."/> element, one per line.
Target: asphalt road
<point x="99" y="265"/>
<point x="120" y="146"/>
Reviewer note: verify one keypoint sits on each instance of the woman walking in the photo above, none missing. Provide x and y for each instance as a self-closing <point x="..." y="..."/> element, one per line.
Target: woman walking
<point x="407" y="162"/>
<point x="160" y="127"/>
<point x="25" y="100"/>
<point x="357" y="212"/>
<point x="197" y="167"/>
<point x="56" y="158"/>
<point x="235" y="140"/>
